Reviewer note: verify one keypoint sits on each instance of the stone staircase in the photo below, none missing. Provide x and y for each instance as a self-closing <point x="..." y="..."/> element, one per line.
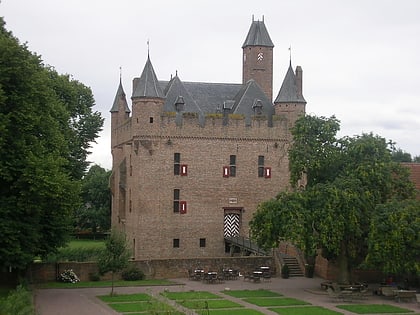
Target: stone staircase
<point x="294" y="268"/>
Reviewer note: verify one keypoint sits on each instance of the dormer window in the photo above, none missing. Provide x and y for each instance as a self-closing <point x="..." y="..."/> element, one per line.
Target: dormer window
<point x="179" y="104"/>
<point x="257" y="107"/>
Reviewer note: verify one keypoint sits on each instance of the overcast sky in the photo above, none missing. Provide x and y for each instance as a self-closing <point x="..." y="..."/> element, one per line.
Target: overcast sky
<point x="360" y="58"/>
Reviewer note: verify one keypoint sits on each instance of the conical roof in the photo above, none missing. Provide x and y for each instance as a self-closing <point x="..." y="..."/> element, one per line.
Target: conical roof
<point x="258" y="35"/>
<point x="289" y="91"/>
<point x="148" y="85"/>
<point x="120" y="97"/>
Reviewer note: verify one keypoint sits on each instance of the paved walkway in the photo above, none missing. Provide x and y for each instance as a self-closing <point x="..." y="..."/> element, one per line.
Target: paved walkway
<point x="84" y="301"/>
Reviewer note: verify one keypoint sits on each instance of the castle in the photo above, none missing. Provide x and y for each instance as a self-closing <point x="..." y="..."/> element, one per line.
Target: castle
<point x="192" y="160"/>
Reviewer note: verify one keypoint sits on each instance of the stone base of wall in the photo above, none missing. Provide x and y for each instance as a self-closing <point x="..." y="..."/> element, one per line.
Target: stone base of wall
<point x="153" y="269"/>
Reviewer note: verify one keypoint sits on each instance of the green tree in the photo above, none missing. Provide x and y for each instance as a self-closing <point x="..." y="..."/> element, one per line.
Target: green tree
<point x="39" y="188"/>
<point x="394" y="239"/>
<point x="346" y="179"/>
<point x="95" y="211"/>
<point x="399" y="155"/>
<point x="115" y="256"/>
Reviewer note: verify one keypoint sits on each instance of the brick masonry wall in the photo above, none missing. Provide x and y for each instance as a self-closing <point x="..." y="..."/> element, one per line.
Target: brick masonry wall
<point x="153" y="269"/>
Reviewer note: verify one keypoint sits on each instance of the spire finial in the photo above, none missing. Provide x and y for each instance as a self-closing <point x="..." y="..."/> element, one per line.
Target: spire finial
<point x="120" y="74"/>
<point x="253" y="18"/>
<point x="148" y="47"/>
<point x="263" y="18"/>
<point x="290" y="55"/>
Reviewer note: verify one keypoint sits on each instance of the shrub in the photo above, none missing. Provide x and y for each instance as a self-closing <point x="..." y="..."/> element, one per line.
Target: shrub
<point x="132" y="274"/>
<point x="69" y="276"/>
<point x="18" y="301"/>
<point x="94" y="276"/>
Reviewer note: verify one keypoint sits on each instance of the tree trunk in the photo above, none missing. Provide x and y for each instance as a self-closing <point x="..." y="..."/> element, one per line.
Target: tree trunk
<point x="112" y="283"/>
<point x="343" y="265"/>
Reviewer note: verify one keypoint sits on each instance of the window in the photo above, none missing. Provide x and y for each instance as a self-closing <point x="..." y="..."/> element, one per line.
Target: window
<point x="261" y="166"/>
<point x="177" y="165"/>
<point x="176" y="200"/>
<point x="151" y="120"/>
<point x="232" y="166"/>
<point x="202" y="242"/>
<point x="176" y="242"/>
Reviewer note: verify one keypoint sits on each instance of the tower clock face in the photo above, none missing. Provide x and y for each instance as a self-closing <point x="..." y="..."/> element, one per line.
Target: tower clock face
<point x="260" y="56"/>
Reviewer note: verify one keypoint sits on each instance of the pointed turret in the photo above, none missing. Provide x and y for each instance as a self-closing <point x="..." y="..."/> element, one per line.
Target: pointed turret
<point x="120" y="100"/>
<point x="258" y="58"/>
<point x="147" y="85"/>
<point x="291" y="89"/>
<point x="120" y="111"/>
<point x="290" y="100"/>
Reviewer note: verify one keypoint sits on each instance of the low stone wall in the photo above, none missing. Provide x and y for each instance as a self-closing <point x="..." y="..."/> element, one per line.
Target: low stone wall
<point x="153" y="269"/>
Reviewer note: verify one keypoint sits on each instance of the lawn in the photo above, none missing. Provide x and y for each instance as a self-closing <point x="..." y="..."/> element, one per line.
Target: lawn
<point x="190" y="295"/>
<point x="125" y="298"/>
<point x="139" y="306"/>
<point x="209" y="304"/>
<point x="251" y="293"/>
<point x="85" y="244"/>
<point x="306" y="310"/>
<point x="373" y="309"/>
<point x="281" y="301"/>
<point x="245" y="311"/>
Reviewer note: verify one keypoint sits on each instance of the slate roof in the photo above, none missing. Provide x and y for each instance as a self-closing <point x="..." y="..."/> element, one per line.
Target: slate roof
<point x="258" y="35"/>
<point x="289" y="90"/>
<point x="120" y="97"/>
<point x="201" y="98"/>
<point x="147" y="85"/>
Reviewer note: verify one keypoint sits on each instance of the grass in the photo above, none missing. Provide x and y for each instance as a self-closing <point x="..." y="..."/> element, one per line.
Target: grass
<point x="373" y="309"/>
<point x="245" y="311"/>
<point x="138" y="306"/>
<point x="85" y="244"/>
<point x="209" y="304"/>
<point x="190" y="295"/>
<point x="101" y="284"/>
<point x="306" y="310"/>
<point x="125" y="298"/>
<point x="251" y="293"/>
<point x="282" y="301"/>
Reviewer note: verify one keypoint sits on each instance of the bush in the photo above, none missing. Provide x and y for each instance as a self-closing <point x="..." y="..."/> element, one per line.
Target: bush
<point x="94" y="276"/>
<point x="18" y="302"/>
<point x="132" y="274"/>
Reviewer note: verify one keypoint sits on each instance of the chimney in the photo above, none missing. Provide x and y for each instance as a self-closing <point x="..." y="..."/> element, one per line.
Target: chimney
<point x="299" y="81"/>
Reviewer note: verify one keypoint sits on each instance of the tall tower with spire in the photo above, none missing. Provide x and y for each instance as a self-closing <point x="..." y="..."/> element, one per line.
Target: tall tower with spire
<point x="258" y="57"/>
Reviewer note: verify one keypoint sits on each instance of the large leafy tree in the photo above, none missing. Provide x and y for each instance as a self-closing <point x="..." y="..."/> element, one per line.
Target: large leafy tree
<point x="95" y="210"/>
<point x="394" y="239"/>
<point x="346" y="179"/>
<point x="39" y="184"/>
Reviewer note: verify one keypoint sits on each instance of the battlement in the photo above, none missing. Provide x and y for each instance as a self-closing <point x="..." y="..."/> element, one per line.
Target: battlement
<point x="214" y="125"/>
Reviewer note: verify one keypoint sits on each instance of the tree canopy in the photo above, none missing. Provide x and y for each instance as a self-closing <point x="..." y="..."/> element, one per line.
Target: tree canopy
<point x="95" y="211"/>
<point x="44" y="142"/>
<point x="347" y="179"/>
